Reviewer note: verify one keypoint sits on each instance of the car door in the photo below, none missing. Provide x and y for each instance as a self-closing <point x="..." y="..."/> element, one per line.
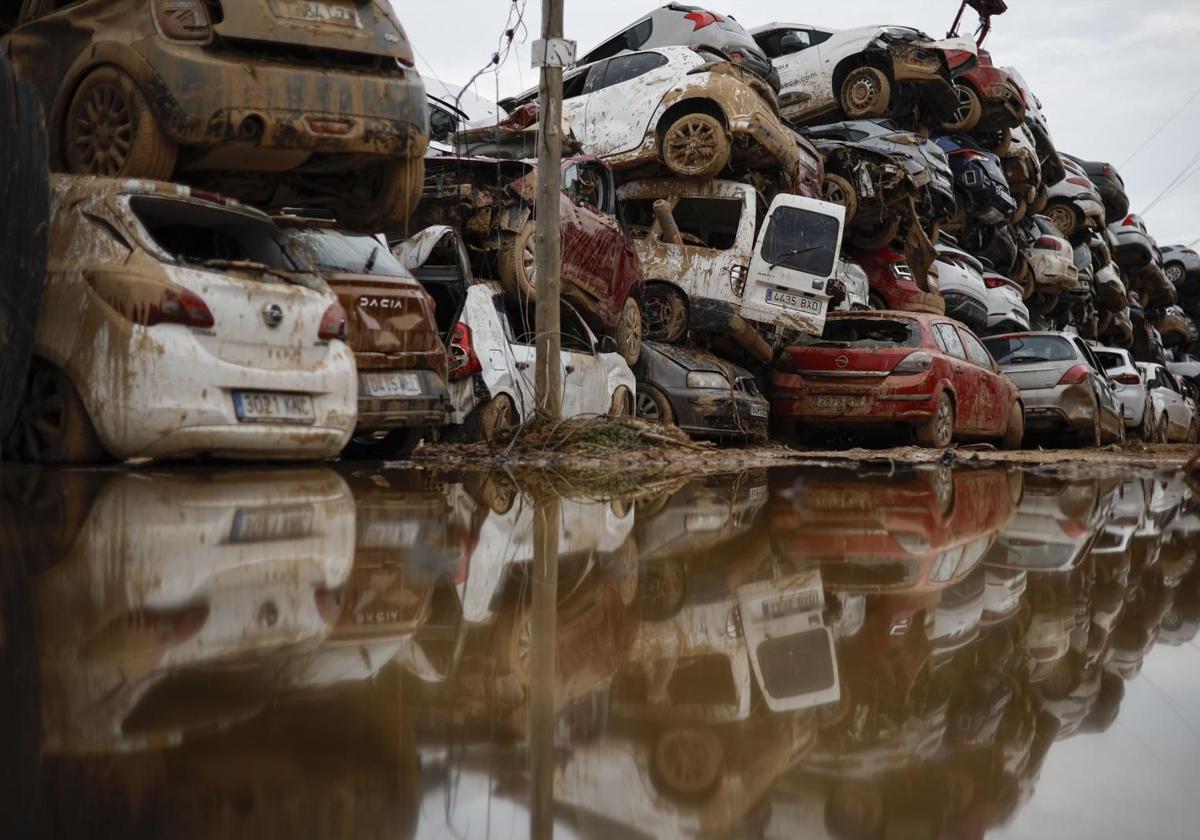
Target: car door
<point x="1177" y="408"/>
<point x="1102" y="386"/>
<point x="592" y="242"/>
<point x="621" y="103"/>
<point x="804" y="86"/>
<point x="516" y="355"/>
<point x="993" y="399"/>
<point x="967" y="377"/>
<point x="585" y="387"/>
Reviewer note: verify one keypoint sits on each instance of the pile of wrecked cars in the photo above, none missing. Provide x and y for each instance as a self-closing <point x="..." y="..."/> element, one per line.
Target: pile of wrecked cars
<point x="787" y="229"/>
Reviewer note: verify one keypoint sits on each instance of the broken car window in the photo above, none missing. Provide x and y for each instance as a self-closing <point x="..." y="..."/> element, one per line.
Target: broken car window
<point x="336" y="253"/>
<point x="1029" y="349"/>
<point x="587" y="184"/>
<point x="703" y="222"/>
<point x="868" y="332"/>
<point x="575" y="336"/>
<point x="214" y="237"/>
<point x="801" y="240"/>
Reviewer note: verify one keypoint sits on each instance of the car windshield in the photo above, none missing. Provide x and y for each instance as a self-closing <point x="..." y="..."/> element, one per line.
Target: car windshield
<point x="338" y="253"/>
<point x="214" y="237"/>
<point x="868" y="332"/>
<point x="1029" y="349"/>
<point x="801" y="240"/>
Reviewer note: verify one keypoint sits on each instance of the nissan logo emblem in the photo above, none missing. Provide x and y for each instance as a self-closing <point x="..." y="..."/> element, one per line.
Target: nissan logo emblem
<point x="272" y="315"/>
<point x="842" y="361"/>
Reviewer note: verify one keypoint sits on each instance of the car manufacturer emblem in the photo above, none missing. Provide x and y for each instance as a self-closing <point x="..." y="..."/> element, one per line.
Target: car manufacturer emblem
<point x="842" y="361"/>
<point x="272" y="315"/>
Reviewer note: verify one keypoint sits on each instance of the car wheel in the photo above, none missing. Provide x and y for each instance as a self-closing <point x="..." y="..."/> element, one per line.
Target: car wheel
<point x="1019" y="213"/>
<point x="838" y="190"/>
<point x="514" y="633"/>
<point x="110" y="130"/>
<point x="629" y="332"/>
<point x="938" y="431"/>
<point x="1016" y="428"/>
<point x="664" y="313"/>
<point x="696" y="146"/>
<point x="688" y="762"/>
<point x="52" y="425"/>
<point x="1040" y="200"/>
<point x="397" y="443"/>
<point x="877" y="302"/>
<point x="662" y="591"/>
<point x="1164" y="429"/>
<point x="653" y="405"/>
<point x="490" y="419"/>
<point x="1095" y="436"/>
<point x="394" y="191"/>
<point x="1064" y="217"/>
<point x="970" y="109"/>
<point x="622" y="403"/>
<point x="516" y="262"/>
<point x="870" y="238"/>
<point x="1175" y="272"/>
<point x="1194" y="432"/>
<point x="866" y="92"/>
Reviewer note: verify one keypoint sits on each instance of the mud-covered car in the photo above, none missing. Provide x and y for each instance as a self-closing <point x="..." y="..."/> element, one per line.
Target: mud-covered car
<point x="988" y="99"/>
<point x="871" y="71"/>
<point x="276" y="103"/>
<point x="491" y="202"/>
<point x="893" y="286"/>
<point x="716" y="264"/>
<point x="979" y="181"/>
<point x="175" y="325"/>
<point x="700" y="393"/>
<point x="1074" y="203"/>
<point x="873" y="168"/>
<point x="1051" y="261"/>
<point x="689" y="111"/>
<point x="391" y="329"/>
<point x="1108" y="183"/>
<point x="1039" y="130"/>
<point x="1023" y="171"/>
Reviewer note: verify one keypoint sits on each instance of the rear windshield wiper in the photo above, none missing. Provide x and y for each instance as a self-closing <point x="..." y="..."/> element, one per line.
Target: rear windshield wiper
<point x="1026" y="359"/>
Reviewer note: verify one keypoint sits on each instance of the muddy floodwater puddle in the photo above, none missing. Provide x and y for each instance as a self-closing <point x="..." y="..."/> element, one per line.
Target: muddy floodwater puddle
<point x="357" y="651"/>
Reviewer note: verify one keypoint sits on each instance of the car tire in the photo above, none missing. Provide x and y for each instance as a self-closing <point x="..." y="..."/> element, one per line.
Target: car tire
<point x="1094" y="437"/>
<point x="628" y="332"/>
<point x="488" y="420"/>
<point x="877" y="302"/>
<point x="839" y="190"/>
<point x="688" y="762"/>
<point x="109" y="130"/>
<point x="938" y="431"/>
<point x="1019" y="213"/>
<point x="516" y="263"/>
<point x="1064" y="217"/>
<point x="1194" y="433"/>
<point x="870" y="239"/>
<point x="970" y="110"/>
<point x="395" y="190"/>
<point x="664" y="313"/>
<point x="1164" y="430"/>
<point x="622" y="403"/>
<point x="663" y="588"/>
<point x="398" y="443"/>
<point x="1015" y="434"/>
<point x="696" y="145"/>
<point x="53" y="426"/>
<point x="1175" y="271"/>
<point x="866" y="93"/>
<point x="653" y="405"/>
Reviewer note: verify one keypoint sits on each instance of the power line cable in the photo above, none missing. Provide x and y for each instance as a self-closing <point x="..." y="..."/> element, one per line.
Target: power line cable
<point x="1160" y="129"/>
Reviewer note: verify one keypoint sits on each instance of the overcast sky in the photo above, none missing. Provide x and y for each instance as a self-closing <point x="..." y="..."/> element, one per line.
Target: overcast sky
<point x="1109" y="72"/>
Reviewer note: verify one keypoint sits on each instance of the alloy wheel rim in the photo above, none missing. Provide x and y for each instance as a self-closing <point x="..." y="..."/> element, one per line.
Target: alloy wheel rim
<point x="945" y="428"/>
<point x="692" y="143"/>
<point x="647" y="408"/>
<point x="103" y="131"/>
<point x="43" y="416"/>
<point x="529" y="261"/>
<point x="1174" y="273"/>
<point x="964" y="106"/>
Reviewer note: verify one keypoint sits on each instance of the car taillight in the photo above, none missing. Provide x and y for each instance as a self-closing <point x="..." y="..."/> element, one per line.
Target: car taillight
<point x="1079" y="182"/>
<point x="1050" y="243"/>
<point x="995" y="281"/>
<point x="176" y="307"/>
<point x="1128" y="378"/>
<point x="185" y="20"/>
<point x="916" y="362"/>
<point x="463" y="361"/>
<point x="175" y="625"/>
<point x="1075" y="376"/>
<point x="702" y="19"/>
<point x="333" y="324"/>
<point x="1130" y="221"/>
<point x="957" y="58"/>
<point x="969" y="154"/>
<point x="329" y="604"/>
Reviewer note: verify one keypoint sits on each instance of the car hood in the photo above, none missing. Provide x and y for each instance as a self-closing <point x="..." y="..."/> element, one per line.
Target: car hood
<point x="916" y="158"/>
<point x="342" y="25"/>
<point x="696" y="360"/>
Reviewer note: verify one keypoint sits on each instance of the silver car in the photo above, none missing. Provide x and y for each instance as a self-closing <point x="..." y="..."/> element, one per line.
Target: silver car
<point x="1064" y="387"/>
<point x="1176" y="420"/>
<point x="1074" y="202"/>
<point x="1134" y="247"/>
<point x="1130" y="388"/>
<point x="1179" y="261"/>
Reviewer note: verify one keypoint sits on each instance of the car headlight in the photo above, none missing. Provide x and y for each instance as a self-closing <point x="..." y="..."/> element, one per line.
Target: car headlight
<point x="708" y="380"/>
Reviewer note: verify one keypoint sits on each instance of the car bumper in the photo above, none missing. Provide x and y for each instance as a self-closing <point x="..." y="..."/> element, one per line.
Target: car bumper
<point x="967" y="310"/>
<point x="430" y="409"/>
<point x="1133" y="405"/>
<point x="203" y="95"/>
<point x="896" y="399"/>
<point x="715" y="413"/>
<point x="1054" y="273"/>
<point x="177" y="401"/>
<point x="908" y="298"/>
<point x="1069" y="407"/>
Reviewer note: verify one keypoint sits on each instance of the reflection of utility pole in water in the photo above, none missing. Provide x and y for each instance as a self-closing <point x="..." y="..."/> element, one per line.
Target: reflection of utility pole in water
<point x="541" y="668"/>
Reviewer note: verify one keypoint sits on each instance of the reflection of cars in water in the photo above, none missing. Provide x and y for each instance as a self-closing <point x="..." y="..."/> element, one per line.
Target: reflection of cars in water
<point x="924" y="529"/>
<point x="174" y="587"/>
<point x="959" y="613"/>
<point x="1056" y="523"/>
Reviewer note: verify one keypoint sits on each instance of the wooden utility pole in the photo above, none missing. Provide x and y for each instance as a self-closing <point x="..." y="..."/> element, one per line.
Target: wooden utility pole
<point x="551" y="54"/>
<point x="542" y="668"/>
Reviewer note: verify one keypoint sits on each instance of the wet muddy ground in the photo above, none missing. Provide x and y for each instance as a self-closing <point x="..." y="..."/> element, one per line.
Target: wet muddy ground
<point x="857" y="647"/>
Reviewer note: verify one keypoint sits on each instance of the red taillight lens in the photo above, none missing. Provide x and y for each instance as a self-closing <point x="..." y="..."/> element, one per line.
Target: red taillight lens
<point x="916" y="362"/>
<point x="176" y="625"/>
<point x="1075" y="376"/>
<point x="1130" y="220"/>
<point x="1079" y="182"/>
<point x="703" y="19"/>
<point x="333" y="324"/>
<point x="329" y="604"/>
<point x="184" y="20"/>
<point x="1050" y="243"/>
<point x="957" y="58"/>
<point x="178" y="307"/>
<point x="1128" y="379"/>
<point x="995" y="281"/>
<point x="463" y="361"/>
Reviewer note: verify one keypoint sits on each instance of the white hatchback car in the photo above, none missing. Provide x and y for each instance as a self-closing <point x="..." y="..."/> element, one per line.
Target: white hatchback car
<point x="1007" y="311"/>
<point x="492" y="354"/>
<point x="1131" y="390"/>
<point x="960" y="280"/>
<point x="174" y="324"/>
<point x="1176" y="420"/>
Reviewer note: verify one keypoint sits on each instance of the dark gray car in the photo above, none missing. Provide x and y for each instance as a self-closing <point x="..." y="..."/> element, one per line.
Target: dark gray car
<point x="698" y="392"/>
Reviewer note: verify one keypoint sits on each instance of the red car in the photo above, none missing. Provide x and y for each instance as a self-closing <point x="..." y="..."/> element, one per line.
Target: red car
<point x="892" y="283"/>
<point x="988" y="99"/>
<point x="897" y="368"/>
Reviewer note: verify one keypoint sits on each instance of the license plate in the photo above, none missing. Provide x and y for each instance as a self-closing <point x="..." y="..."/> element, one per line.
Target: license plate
<point x="268" y="407"/>
<point x="800" y="302"/>
<point x="390" y="385"/>
<point x="318" y="11"/>
<point x="268" y="524"/>
<point x="837" y="402"/>
<point x="789" y="604"/>
<point x="388" y="533"/>
<point x="759" y="411"/>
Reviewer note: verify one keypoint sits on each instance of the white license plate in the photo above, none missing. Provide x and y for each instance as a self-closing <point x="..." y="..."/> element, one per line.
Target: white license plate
<point x="837" y="402"/>
<point x="390" y="385"/>
<point x="801" y="302"/>
<point x="268" y="407"/>
<point x="789" y="604"/>
<point x="319" y="11"/>
<point x="758" y="411"/>
<point x="268" y="524"/>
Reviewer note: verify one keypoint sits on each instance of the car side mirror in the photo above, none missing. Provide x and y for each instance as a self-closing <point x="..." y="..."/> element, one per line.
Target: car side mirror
<point x="608" y="344"/>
